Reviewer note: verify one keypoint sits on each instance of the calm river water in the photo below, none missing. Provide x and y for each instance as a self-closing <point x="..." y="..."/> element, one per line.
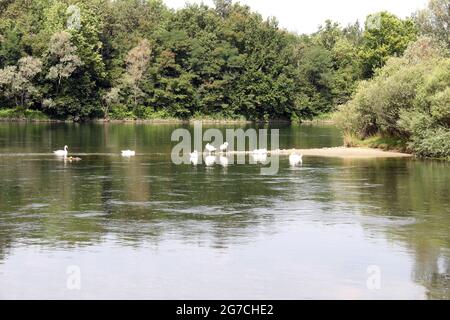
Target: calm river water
<point x="145" y="228"/>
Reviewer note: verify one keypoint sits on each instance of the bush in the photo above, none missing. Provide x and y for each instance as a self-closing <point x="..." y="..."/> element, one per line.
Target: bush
<point x="121" y="112"/>
<point x="407" y="99"/>
<point x="150" y="114"/>
<point x="357" y="116"/>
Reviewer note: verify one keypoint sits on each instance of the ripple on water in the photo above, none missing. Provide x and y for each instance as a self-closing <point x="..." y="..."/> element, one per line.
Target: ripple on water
<point x="204" y="211"/>
<point x="98" y="178"/>
<point x="87" y="214"/>
<point x="145" y="204"/>
<point x="34" y="206"/>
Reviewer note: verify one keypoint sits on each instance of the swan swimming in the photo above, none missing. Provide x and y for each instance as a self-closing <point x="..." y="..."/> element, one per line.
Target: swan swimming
<point x="295" y="159"/>
<point x="210" y="148"/>
<point x="194" y="157"/>
<point x="224" y="147"/>
<point x="73" y="159"/>
<point x="62" y="153"/>
<point x="259" y="158"/>
<point x="194" y="154"/>
<point x="223" y="161"/>
<point x="210" y="161"/>
<point x="260" y="151"/>
<point x="128" y="153"/>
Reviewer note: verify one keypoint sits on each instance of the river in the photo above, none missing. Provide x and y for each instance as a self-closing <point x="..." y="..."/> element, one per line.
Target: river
<point x="109" y="227"/>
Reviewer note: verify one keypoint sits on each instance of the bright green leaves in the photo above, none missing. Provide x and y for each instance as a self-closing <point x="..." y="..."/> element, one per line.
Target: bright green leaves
<point x="385" y="35"/>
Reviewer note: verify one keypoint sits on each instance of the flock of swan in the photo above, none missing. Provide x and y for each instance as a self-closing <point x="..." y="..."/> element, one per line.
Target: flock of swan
<point x="259" y="155"/>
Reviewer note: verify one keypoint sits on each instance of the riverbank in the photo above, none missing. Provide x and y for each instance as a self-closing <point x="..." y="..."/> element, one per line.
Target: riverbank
<point x="383" y="143"/>
<point x="31" y="118"/>
<point x="13" y="115"/>
<point x="377" y="142"/>
<point x="339" y="152"/>
<point x="28" y="115"/>
<point x="129" y="121"/>
<point x="18" y="115"/>
<point x="334" y="152"/>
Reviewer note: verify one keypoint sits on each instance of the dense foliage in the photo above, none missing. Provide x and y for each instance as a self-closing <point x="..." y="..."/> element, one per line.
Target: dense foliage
<point x="408" y="100"/>
<point x="139" y="59"/>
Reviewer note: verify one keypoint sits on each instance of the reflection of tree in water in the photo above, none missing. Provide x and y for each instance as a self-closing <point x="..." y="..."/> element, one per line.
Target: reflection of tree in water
<point x="408" y="189"/>
<point x="138" y="199"/>
<point x="432" y="270"/>
<point x="149" y="199"/>
<point x="6" y="240"/>
<point x="101" y="196"/>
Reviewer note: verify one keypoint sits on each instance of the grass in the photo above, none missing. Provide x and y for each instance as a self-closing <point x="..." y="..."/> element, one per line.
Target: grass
<point x="20" y="114"/>
<point x="377" y="141"/>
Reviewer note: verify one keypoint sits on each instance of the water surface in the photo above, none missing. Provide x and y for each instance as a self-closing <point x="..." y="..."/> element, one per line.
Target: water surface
<point x="146" y="228"/>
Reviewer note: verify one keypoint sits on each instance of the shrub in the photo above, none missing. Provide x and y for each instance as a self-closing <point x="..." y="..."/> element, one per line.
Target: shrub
<point x="121" y="112"/>
<point x="407" y="99"/>
<point x="21" y="114"/>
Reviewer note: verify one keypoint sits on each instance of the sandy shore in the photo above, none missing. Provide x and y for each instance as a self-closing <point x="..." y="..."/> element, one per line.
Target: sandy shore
<point x="343" y="152"/>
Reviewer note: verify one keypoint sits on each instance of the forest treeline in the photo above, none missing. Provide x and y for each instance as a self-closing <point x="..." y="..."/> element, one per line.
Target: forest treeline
<point x="139" y="59"/>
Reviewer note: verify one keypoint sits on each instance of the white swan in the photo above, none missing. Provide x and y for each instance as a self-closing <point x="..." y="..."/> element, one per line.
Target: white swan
<point x="128" y="153"/>
<point x="223" y="161"/>
<point x="259" y="158"/>
<point x="210" y="161"/>
<point x="194" y="154"/>
<point x="259" y="151"/>
<point x="210" y="148"/>
<point x="295" y="159"/>
<point x="62" y="153"/>
<point x="194" y="157"/>
<point x="224" y="147"/>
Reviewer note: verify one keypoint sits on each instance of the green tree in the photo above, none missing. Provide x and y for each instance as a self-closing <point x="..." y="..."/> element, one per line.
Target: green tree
<point x="385" y="35"/>
<point x="225" y="61"/>
<point x="11" y="46"/>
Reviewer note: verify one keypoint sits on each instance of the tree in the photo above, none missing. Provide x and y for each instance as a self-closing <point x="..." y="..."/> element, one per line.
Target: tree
<point x="223" y="7"/>
<point x="62" y="58"/>
<point x="328" y="34"/>
<point x="329" y="67"/>
<point x="385" y="35"/>
<point x="434" y="21"/>
<point x="347" y="71"/>
<point x="74" y="84"/>
<point x="110" y="98"/>
<point x="17" y="82"/>
<point x="11" y="46"/>
<point x="137" y="62"/>
<point x="406" y="101"/>
<point x="316" y="66"/>
<point x="225" y="61"/>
